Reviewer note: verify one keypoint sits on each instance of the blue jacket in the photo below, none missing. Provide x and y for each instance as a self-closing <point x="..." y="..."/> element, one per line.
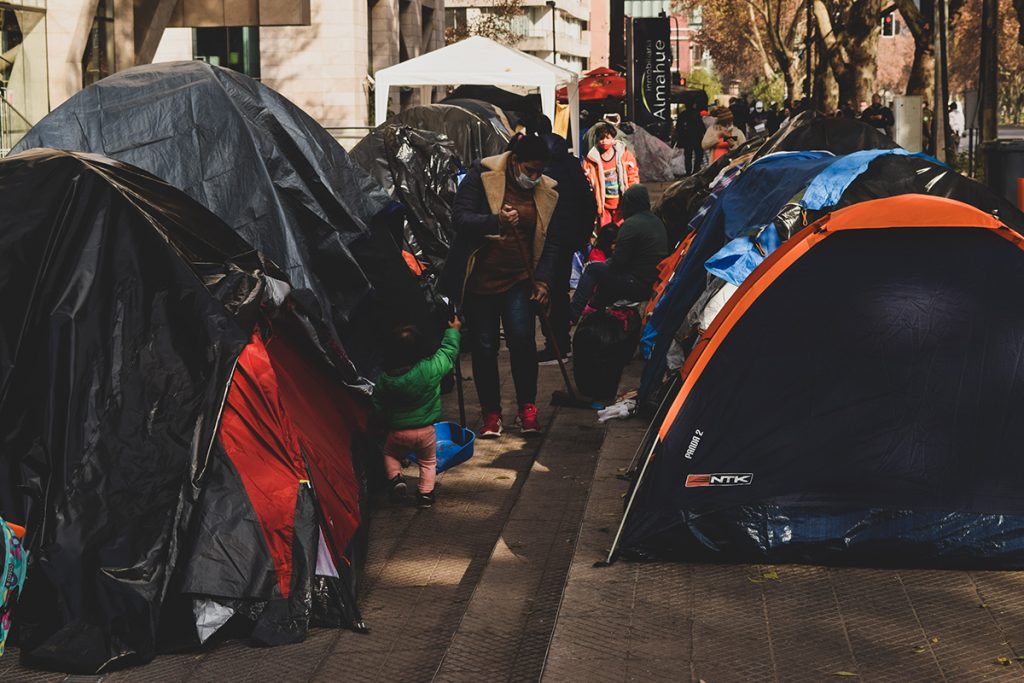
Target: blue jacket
<point x="475" y="218"/>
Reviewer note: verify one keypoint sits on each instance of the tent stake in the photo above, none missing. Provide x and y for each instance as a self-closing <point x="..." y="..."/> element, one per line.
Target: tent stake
<point x="625" y="515"/>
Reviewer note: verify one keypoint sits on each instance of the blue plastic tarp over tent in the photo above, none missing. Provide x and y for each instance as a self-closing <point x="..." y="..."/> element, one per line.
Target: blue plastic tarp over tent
<point x="754" y="198"/>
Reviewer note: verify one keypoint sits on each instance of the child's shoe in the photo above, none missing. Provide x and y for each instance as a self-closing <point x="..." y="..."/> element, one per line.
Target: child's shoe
<point x="397" y="489"/>
<point x="424" y="500"/>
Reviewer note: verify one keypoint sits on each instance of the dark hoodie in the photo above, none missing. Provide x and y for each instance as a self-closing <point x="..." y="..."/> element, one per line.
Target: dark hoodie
<point x="642" y="242"/>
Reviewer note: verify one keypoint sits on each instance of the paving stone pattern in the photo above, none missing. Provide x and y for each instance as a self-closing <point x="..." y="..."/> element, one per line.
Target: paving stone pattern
<point x="693" y="622"/>
<point x="496" y="584"/>
<point x="424" y="568"/>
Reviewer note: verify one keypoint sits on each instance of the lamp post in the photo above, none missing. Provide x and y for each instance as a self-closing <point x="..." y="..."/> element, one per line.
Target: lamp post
<point x="554" y="49"/>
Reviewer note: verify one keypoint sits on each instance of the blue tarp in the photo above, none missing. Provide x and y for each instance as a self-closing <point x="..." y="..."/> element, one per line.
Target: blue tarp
<point x="829" y="185"/>
<point x="754" y="198"/>
<point x="766" y="186"/>
<point x="737" y="259"/>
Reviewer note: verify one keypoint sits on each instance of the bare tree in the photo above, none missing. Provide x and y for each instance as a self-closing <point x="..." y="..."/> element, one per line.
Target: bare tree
<point x="497" y="22"/>
<point x="752" y="38"/>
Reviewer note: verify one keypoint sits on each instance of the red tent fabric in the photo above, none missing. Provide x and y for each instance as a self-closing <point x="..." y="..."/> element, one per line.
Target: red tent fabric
<point x="261" y="441"/>
<point x="327" y="417"/>
<point x="598" y="84"/>
<point x="286" y="425"/>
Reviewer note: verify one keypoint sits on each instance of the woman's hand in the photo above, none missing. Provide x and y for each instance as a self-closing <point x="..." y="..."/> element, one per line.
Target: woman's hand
<point x="540" y="293"/>
<point x="508" y="217"/>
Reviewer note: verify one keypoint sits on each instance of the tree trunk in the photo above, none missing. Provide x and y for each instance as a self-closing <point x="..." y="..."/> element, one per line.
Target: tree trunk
<point x="825" y="93"/>
<point x="851" y="51"/>
<point x="863" y="31"/>
<point x="922" y="73"/>
<point x="790" y="80"/>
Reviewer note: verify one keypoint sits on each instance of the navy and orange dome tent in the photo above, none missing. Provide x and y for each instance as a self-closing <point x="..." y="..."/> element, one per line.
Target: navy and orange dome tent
<point x="857" y="401"/>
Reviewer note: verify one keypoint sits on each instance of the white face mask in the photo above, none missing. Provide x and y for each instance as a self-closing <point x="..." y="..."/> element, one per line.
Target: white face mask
<point x="526" y="182"/>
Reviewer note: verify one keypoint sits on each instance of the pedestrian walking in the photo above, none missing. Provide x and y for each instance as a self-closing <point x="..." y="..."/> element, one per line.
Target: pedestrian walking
<point x="611" y="169"/>
<point x="407" y="399"/>
<point x="501" y="215"/>
<point x="723" y="136"/>
<point x="690" y="131"/>
<point x="956" y="124"/>
<point x="758" y="121"/>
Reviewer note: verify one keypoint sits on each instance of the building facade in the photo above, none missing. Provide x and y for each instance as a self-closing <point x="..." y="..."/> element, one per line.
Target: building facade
<point x="321" y="54"/>
<point x="567" y="46"/>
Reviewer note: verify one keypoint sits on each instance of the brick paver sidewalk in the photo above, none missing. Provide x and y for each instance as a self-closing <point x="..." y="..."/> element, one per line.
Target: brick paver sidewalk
<point x="683" y="622"/>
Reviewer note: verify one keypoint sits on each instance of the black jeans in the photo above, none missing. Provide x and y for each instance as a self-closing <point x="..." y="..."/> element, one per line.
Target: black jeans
<point x="485" y="315"/>
<point x="605" y="286"/>
<point x="694" y="158"/>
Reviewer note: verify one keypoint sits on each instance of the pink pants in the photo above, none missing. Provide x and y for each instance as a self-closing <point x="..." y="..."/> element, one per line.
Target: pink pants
<point x="422" y="441"/>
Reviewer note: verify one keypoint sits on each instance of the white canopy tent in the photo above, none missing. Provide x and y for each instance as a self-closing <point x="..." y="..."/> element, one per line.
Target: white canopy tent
<point x="480" y="61"/>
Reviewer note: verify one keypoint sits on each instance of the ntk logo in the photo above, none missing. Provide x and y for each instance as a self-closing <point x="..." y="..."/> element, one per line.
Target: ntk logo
<point x="720" y="479"/>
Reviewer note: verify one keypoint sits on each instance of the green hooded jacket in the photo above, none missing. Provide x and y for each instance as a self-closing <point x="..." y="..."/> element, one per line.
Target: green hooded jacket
<point x="413" y="399"/>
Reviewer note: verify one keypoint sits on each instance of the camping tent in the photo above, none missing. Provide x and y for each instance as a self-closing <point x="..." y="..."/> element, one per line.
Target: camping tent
<point x="854" y="402"/>
<point x="178" y="458"/>
<point x="839" y="135"/>
<point x="480" y="61"/>
<point x="270" y="172"/>
<point x="419" y="169"/>
<point x="473" y="136"/>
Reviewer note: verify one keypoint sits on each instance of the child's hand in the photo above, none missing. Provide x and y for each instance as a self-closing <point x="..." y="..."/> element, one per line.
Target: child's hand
<point x="455" y="323"/>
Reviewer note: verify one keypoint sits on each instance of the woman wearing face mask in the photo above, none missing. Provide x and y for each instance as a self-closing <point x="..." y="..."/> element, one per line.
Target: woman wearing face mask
<point x="501" y="215"/>
<point x="611" y="169"/>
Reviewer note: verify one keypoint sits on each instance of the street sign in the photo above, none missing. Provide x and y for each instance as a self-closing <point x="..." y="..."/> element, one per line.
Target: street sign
<point x="651" y="74"/>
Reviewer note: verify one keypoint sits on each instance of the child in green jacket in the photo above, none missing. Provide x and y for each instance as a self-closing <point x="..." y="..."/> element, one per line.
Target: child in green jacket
<point x="408" y="399"/>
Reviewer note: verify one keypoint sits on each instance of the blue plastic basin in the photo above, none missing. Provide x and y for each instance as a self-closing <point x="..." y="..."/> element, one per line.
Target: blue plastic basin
<point x="454" y="445"/>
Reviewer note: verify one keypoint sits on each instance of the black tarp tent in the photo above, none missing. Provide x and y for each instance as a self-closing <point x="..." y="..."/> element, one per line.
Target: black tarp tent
<point x="474" y="137"/>
<point x="854" y="402"/>
<point x="419" y="169"/>
<point x="812" y="130"/>
<point x="270" y="172"/>
<point x="157" y="425"/>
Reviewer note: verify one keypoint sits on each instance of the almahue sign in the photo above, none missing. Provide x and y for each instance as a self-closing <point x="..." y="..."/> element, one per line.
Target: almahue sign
<point x="651" y="71"/>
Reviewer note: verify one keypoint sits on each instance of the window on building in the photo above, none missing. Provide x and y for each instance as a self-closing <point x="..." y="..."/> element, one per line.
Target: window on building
<point x="455" y="19"/>
<point x="233" y="47"/>
<point x="98" y="60"/>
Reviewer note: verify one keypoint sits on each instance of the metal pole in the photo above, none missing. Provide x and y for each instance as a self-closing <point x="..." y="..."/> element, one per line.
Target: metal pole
<point x="629" y="506"/>
<point x="938" y="99"/>
<point x="652" y="428"/>
<point x="807" y="48"/>
<point x="554" y="48"/>
<point x="988" y="98"/>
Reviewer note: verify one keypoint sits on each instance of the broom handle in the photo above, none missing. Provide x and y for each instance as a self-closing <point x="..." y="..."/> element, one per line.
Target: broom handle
<point x="552" y="337"/>
<point x="458" y="381"/>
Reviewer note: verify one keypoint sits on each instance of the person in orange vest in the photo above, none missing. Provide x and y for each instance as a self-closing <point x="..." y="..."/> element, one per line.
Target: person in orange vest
<point x="611" y="169"/>
<point x="722" y="137"/>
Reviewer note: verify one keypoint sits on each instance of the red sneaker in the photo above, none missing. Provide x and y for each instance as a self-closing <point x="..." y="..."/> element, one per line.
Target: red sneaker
<point x="492" y="425"/>
<point x="528" y="421"/>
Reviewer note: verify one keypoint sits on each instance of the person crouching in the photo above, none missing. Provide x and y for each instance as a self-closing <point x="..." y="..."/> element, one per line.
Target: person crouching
<point x="408" y="400"/>
<point x="641" y="244"/>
